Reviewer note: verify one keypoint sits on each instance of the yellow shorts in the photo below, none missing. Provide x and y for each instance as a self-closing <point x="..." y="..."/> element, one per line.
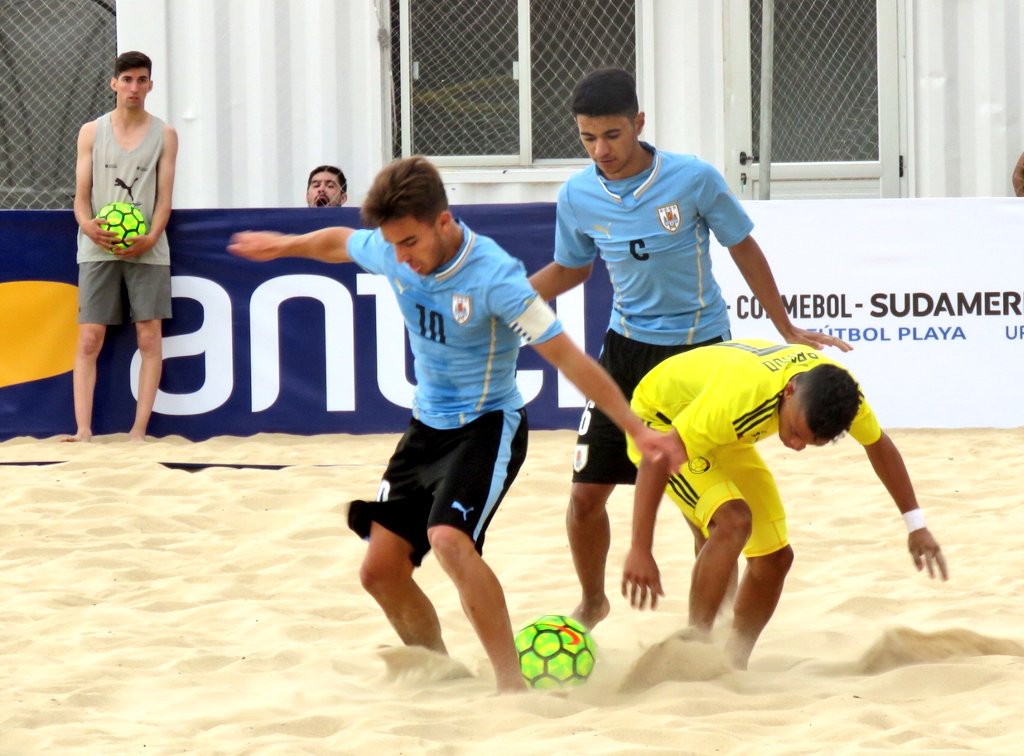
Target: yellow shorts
<point x="732" y="472"/>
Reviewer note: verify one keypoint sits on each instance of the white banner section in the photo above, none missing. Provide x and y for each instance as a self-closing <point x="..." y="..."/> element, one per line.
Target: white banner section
<point x="929" y="292"/>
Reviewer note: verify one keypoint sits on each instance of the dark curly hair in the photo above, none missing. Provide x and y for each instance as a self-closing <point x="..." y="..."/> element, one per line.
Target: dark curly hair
<point x="830" y="399"/>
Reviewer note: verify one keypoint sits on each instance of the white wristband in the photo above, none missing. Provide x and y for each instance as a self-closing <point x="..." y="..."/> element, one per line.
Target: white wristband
<point x="914" y="520"/>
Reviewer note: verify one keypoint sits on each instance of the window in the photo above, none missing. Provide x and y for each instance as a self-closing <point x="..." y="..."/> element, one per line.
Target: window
<point x="488" y="82"/>
<point x="825" y="93"/>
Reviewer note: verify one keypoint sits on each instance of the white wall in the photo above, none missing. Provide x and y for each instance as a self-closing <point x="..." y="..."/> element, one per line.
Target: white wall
<point x="966" y="74"/>
<point x="687" y="100"/>
<point x="263" y="90"/>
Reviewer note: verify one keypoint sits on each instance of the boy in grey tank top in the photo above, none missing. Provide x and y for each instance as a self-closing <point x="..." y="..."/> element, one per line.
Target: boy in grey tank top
<point x="127" y="155"/>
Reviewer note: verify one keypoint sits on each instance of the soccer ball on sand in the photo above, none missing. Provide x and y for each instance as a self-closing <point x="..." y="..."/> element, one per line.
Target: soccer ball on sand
<point x="555" y="651"/>
<point x="123" y="219"/>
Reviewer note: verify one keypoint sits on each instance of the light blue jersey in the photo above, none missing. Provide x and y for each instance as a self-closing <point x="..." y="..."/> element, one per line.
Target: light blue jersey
<point x="465" y="321"/>
<point x="651" y="230"/>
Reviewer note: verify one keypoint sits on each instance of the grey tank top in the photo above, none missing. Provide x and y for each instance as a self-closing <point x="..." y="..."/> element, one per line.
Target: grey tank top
<point x="123" y="176"/>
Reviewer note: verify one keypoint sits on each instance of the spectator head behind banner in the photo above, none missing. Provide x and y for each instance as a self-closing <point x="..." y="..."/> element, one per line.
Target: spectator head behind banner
<point x="326" y="187"/>
<point x="1018" y="176"/>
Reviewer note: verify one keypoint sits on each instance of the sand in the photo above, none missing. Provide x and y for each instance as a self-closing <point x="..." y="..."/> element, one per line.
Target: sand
<point x="146" y="609"/>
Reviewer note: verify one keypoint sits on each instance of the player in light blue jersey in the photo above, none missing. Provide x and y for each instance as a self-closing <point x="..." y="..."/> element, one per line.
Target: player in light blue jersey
<point x="648" y="215"/>
<point x="467" y="307"/>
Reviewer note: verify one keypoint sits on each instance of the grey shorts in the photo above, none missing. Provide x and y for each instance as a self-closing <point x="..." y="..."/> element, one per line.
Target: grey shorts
<point x="101" y="294"/>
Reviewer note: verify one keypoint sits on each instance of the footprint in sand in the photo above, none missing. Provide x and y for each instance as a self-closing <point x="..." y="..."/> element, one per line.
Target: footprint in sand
<point x="901" y="646"/>
<point x="679" y="658"/>
<point x="418" y="665"/>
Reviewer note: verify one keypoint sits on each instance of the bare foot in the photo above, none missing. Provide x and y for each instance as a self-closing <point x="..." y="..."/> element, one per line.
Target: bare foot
<point x="83" y="436"/>
<point x="517" y="685"/>
<point x="691" y="633"/>
<point x="738" y="650"/>
<point x="589" y="615"/>
<point x="137" y="438"/>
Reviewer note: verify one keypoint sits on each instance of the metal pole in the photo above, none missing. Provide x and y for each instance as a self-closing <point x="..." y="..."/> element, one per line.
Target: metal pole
<point x="764" y="149"/>
<point x="387" y="86"/>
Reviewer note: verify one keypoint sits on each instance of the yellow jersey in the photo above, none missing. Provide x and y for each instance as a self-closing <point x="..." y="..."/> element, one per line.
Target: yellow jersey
<point x="730" y="393"/>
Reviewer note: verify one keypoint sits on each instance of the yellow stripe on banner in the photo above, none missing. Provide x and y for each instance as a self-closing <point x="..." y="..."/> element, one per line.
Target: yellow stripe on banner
<point x="38" y="330"/>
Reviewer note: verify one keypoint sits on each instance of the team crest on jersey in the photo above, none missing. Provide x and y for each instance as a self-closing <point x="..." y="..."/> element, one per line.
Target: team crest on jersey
<point x="669" y="217"/>
<point x="699" y="465"/>
<point x="462" y="308"/>
<point x="579" y="459"/>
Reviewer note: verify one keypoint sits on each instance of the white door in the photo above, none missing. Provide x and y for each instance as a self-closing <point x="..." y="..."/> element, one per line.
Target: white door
<point x="836" y="127"/>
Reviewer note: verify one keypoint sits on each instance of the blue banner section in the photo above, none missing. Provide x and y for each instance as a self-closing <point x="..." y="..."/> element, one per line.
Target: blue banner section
<point x="289" y="346"/>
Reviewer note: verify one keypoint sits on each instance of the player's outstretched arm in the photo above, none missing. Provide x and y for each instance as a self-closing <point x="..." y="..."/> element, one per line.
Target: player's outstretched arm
<point x="641" y="578"/>
<point x="325" y="244"/>
<point x="590" y="378"/>
<point x="753" y="265"/>
<point x="889" y="467"/>
<point x="554" y="279"/>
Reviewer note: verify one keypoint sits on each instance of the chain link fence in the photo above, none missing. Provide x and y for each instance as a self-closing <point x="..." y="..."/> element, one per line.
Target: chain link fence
<point x="56" y="61"/>
<point x="825" y="71"/>
<point x="570" y="39"/>
<point x="464" y="72"/>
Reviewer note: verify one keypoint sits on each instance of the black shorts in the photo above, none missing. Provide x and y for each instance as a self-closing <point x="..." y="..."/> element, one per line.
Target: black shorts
<point x="454" y="477"/>
<point x="600" y="455"/>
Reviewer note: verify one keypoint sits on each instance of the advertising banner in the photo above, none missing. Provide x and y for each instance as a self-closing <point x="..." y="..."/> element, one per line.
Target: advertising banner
<point x="929" y="292"/>
<point x="290" y="346"/>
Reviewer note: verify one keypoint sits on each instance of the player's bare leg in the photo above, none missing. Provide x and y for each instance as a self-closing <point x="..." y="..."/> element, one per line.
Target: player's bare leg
<point x="698" y="543"/>
<point x="483" y="601"/>
<point x="90" y="342"/>
<point x="589" y="531"/>
<point x="716" y="562"/>
<point x="149" y="335"/>
<point x="386" y="574"/>
<point x="758" y="596"/>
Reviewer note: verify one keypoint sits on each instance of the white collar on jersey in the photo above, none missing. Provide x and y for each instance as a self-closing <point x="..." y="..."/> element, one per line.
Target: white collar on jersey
<point x="655" y="167"/>
<point x="461" y="256"/>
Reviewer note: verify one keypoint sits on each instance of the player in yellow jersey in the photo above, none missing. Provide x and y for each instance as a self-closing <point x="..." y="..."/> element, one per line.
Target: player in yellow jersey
<point x="720" y="400"/>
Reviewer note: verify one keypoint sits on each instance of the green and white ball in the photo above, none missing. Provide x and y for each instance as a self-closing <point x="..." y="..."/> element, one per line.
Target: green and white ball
<point x="124" y="219"/>
<point x="555" y="651"/>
